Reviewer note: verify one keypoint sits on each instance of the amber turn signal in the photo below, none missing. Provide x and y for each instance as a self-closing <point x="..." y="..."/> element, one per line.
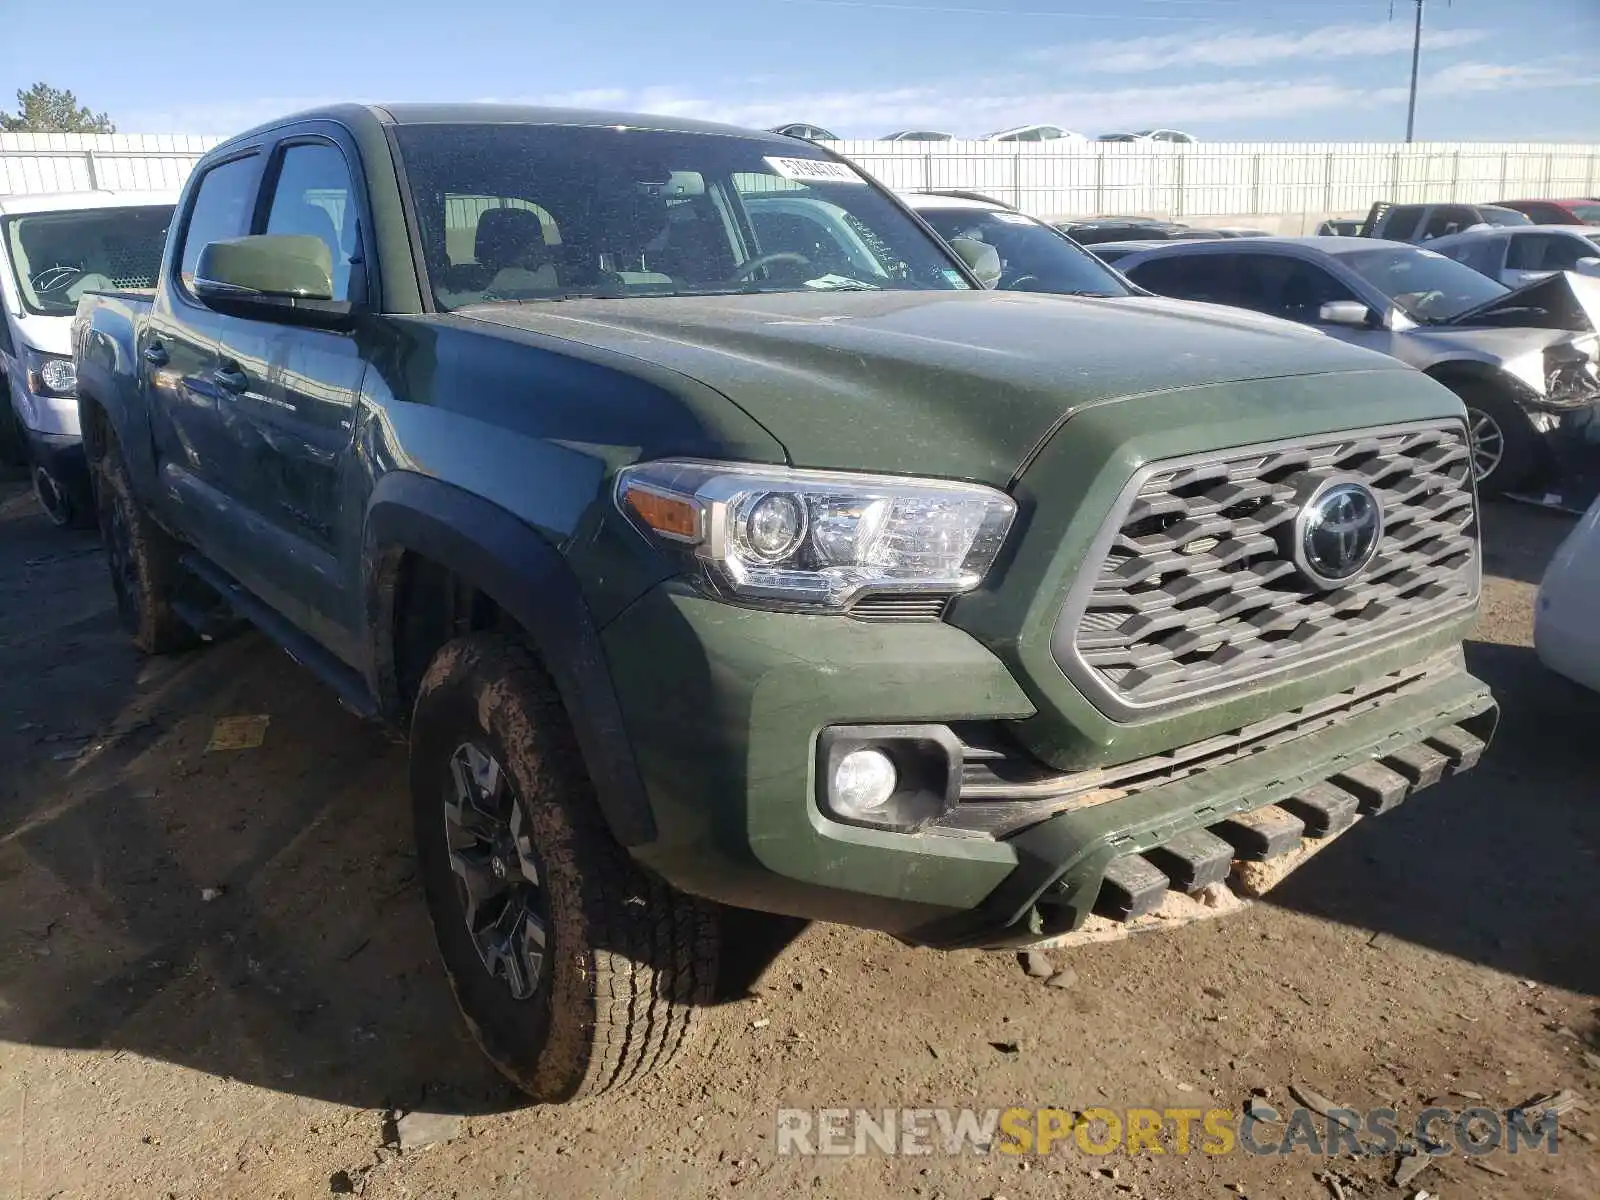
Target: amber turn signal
<point x="672" y="516"/>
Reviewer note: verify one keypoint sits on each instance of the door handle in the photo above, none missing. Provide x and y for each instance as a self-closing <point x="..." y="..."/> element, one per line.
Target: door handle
<point x="156" y="354"/>
<point x="230" y="379"/>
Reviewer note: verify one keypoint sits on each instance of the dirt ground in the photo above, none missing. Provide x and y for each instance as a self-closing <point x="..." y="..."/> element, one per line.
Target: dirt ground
<point x="217" y="978"/>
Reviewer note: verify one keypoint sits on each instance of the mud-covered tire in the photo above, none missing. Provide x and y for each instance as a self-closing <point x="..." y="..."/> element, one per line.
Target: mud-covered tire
<point x="1517" y="453"/>
<point x="626" y="961"/>
<point x="143" y="558"/>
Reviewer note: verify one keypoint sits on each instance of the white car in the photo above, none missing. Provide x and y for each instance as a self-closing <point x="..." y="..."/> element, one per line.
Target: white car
<point x="917" y="135"/>
<point x="53" y="249"/>
<point x="1566" y="617"/>
<point x="1516" y="255"/>
<point x="1175" y="136"/>
<point x="1035" y="133"/>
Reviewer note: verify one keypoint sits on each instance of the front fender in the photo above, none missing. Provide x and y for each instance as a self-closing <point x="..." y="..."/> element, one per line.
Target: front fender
<point x="528" y="578"/>
<point x="105" y="354"/>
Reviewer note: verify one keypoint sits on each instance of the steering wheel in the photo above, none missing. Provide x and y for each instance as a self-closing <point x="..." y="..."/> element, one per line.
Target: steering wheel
<point x="1422" y="301"/>
<point x="1019" y="284"/>
<point x="767" y="260"/>
<point x="52" y="278"/>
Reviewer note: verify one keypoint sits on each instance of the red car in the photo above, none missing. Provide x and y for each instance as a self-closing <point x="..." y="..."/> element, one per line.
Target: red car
<point x="1557" y="212"/>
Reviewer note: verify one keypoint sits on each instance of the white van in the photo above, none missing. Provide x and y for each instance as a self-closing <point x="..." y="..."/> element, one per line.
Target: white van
<point x="53" y="248"/>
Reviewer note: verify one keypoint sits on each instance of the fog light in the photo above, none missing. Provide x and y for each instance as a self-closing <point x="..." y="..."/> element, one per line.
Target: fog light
<point x="863" y="781"/>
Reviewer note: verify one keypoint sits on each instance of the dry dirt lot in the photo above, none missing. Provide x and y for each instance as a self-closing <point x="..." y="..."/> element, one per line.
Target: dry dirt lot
<point x="217" y="978"/>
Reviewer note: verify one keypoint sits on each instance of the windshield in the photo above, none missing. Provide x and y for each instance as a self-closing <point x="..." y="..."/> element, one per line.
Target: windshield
<point x="58" y="256"/>
<point x="1426" y="285"/>
<point x="1504" y="216"/>
<point x="1589" y="214"/>
<point x="1033" y="258"/>
<point x="544" y="212"/>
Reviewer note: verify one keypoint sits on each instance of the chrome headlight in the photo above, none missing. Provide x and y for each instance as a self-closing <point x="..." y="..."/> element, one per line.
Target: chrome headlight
<point x="51" y="374"/>
<point x="816" y="540"/>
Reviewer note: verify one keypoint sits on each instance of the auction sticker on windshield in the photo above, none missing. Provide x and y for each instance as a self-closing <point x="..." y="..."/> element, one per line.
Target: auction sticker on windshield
<point x="814" y="170"/>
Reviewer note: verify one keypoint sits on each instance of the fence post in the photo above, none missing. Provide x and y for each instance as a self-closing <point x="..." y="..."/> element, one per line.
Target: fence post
<point x="1505" y="168"/>
<point x="927" y="170"/>
<point x="1177" y="191"/>
<point x="1394" y="177"/>
<point x="1327" y="185"/>
<point x="94" y="170"/>
<point x="1100" y="179"/>
<point x="1255" y="185"/>
<point x="1016" y="176"/>
<point x="1593" y="158"/>
<point x="1549" y="171"/>
<point x="1455" y="178"/>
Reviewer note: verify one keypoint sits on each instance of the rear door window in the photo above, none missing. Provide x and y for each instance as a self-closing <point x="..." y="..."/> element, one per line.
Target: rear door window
<point x="1207" y="277"/>
<point x="1448" y="218"/>
<point x="1286" y="287"/>
<point x="1401" y="224"/>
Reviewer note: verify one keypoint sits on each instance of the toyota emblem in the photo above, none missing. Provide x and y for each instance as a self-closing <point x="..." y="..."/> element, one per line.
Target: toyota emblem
<point x="1337" y="532"/>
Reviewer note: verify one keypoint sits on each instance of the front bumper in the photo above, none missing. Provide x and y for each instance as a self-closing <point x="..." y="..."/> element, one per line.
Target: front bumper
<point x="724" y="706"/>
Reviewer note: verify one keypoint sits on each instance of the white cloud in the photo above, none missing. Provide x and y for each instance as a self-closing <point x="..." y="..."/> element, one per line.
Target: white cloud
<point x="1248" y="48"/>
<point x="970" y="107"/>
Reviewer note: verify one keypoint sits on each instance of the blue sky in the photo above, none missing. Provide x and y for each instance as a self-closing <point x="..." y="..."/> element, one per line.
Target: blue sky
<point x="1505" y="70"/>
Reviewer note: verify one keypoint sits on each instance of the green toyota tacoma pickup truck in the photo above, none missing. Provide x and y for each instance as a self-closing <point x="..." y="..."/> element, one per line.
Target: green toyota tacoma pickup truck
<point x="715" y="537"/>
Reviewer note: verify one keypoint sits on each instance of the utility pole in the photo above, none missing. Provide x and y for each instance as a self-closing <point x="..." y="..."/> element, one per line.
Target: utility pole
<point x="1416" y="61"/>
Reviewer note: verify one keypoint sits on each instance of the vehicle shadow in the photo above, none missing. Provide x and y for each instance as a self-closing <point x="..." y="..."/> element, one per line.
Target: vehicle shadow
<point x="1500" y="866"/>
<point x="253" y="913"/>
<point x="1520" y="539"/>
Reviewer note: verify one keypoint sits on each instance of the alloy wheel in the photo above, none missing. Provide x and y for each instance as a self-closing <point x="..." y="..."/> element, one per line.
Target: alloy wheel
<point x="1488" y="443"/>
<point x="498" y="879"/>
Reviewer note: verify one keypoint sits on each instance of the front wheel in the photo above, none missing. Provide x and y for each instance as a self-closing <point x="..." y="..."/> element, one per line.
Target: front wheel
<point x="576" y="972"/>
<point x="1505" y="448"/>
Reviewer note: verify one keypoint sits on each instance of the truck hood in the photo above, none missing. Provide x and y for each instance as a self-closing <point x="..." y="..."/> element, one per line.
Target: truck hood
<point x="955" y="384"/>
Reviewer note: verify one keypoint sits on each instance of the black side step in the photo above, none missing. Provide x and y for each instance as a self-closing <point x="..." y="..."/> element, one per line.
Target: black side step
<point x="346" y="683"/>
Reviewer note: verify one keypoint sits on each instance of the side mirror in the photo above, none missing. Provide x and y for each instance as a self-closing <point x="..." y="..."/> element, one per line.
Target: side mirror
<point x="1588" y="266"/>
<point x="284" y="277"/>
<point x="981" y="258"/>
<point x="1345" y="312"/>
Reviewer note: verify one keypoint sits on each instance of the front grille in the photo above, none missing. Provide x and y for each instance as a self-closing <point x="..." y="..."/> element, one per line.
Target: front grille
<point x="1198" y="591"/>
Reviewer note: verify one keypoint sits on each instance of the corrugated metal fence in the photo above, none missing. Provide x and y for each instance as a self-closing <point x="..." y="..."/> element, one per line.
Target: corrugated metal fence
<point x="1227" y="178"/>
<point x="1211" y="179"/>
<point x="74" y="162"/>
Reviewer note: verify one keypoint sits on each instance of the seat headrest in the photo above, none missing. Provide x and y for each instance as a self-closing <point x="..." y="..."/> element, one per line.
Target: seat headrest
<point x="505" y="235"/>
<point x="313" y="220"/>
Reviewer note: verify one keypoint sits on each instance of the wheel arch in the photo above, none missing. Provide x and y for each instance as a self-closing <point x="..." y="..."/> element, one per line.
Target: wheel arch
<point x="439" y="562"/>
<point x="1471" y="372"/>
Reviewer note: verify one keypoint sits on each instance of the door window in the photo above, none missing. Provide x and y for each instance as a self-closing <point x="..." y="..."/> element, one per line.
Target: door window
<point x="1208" y="277"/>
<point x="314" y="196"/>
<point x="1448" y="218"/>
<point x="1401" y="225"/>
<point x="221" y="210"/>
<point x="1287" y="287"/>
<point x="1546" y="252"/>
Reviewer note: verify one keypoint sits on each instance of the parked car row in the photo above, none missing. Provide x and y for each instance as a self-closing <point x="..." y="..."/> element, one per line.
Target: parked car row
<point x="1017" y="133"/>
<point x="717" y="528"/>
